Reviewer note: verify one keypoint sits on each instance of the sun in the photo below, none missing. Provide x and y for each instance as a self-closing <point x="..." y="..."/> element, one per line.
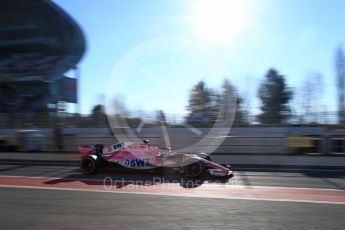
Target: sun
<point x="220" y="20"/>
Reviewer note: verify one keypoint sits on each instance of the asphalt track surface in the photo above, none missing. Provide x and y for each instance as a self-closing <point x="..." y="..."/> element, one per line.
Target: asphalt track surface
<point x="53" y="195"/>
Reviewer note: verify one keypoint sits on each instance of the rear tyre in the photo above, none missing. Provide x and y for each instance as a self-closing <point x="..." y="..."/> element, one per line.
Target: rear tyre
<point x="89" y="165"/>
<point x="194" y="169"/>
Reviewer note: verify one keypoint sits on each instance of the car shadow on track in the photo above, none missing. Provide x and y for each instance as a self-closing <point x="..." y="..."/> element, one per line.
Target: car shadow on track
<point x="122" y="179"/>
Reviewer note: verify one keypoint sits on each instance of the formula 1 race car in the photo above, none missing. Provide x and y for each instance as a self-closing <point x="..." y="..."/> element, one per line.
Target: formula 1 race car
<point x="143" y="156"/>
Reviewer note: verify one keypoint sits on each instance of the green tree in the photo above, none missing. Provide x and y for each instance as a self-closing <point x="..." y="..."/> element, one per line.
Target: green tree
<point x="161" y="119"/>
<point x="312" y="92"/>
<point x="241" y="116"/>
<point x="340" y="78"/>
<point x="202" y="103"/>
<point x="275" y="96"/>
<point x="227" y="104"/>
<point x="98" y="116"/>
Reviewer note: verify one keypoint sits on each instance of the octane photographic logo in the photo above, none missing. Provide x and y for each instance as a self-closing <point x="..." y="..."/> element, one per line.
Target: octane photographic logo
<point x="158" y="74"/>
<point x="151" y="184"/>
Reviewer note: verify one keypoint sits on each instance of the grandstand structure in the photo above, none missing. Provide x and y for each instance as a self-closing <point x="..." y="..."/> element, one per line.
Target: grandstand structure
<point x="39" y="42"/>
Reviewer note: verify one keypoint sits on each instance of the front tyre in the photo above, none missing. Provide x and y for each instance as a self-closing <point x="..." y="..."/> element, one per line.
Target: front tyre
<point x="194" y="169"/>
<point x="89" y="165"/>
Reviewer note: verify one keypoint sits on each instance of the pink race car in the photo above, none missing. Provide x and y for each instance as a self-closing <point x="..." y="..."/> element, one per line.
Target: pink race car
<point x="143" y="156"/>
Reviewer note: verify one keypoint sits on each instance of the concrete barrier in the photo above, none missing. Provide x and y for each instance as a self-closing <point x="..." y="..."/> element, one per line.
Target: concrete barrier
<point x="256" y="141"/>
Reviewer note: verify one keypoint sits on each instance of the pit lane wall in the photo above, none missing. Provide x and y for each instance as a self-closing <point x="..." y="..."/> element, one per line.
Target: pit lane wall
<point x="264" y="141"/>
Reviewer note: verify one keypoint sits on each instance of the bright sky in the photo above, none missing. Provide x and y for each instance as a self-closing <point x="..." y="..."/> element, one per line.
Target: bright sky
<point x="151" y="52"/>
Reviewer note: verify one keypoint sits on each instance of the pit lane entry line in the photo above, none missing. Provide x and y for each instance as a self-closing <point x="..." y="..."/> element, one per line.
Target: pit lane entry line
<point x="328" y="196"/>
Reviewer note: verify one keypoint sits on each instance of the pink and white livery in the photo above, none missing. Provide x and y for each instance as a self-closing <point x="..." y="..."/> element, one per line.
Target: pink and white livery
<point x="143" y="156"/>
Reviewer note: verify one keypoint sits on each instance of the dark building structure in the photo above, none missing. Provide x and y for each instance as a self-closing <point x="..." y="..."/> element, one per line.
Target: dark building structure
<point x="39" y="42"/>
